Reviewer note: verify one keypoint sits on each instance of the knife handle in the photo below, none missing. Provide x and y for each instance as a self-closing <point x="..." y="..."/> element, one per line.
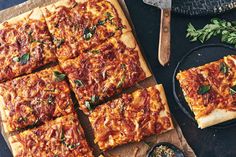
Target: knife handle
<point x="164" y="38"/>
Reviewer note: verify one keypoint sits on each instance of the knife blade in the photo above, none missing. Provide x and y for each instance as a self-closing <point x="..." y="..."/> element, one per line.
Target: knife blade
<point x="164" y="36"/>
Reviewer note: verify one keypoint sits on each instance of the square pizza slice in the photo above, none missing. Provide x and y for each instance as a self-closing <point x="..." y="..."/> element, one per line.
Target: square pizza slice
<point x="105" y="70"/>
<point x="131" y="117"/>
<point x="33" y="99"/>
<point x="208" y="101"/>
<point x="25" y="45"/>
<point x="62" y="137"/>
<point x="77" y="26"/>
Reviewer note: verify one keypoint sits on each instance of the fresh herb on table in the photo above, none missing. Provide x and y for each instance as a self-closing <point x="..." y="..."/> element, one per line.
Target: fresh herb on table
<point x="59" y="76"/>
<point x="204" y="89"/>
<point x="23" y="59"/>
<point x="217" y="27"/>
<point x="232" y="90"/>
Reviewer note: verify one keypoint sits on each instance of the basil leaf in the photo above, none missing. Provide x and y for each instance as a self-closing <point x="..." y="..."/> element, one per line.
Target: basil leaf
<point x="24" y="58"/>
<point x="101" y="22"/>
<point x="16" y="59"/>
<point x="121" y="82"/>
<point x="94" y="99"/>
<point x="22" y="119"/>
<point x="79" y="83"/>
<point x="88" y="33"/>
<point x="59" y="76"/>
<point x="223" y="68"/>
<point x="109" y="16"/>
<point x="232" y="90"/>
<point x="95" y="51"/>
<point x="88" y="105"/>
<point x="203" y="89"/>
<point x="58" y="42"/>
<point x="51" y="99"/>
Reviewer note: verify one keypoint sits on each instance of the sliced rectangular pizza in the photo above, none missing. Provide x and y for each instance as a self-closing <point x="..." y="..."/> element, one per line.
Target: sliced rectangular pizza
<point x="131" y="117"/>
<point x="210" y="91"/>
<point x="33" y="99"/>
<point x="79" y="25"/>
<point x="105" y="70"/>
<point x="63" y="137"/>
<point x="25" y="45"/>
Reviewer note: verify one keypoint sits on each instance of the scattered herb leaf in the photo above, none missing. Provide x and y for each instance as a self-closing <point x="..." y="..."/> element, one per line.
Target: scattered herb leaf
<point x="79" y="83"/>
<point x="109" y="16"/>
<point x="94" y="99"/>
<point x="203" y="89"/>
<point x="22" y="119"/>
<point x="51" y="99"/>
<point x="227" y="31"/>
<point x="59" y="76"/>
<point x="101" y="22"/>
<point x="58" y="42"/>
<point x="16" y="59"/>
<point x="88" y="32"/>
<point x="24" y="58"/>
<point x="223" y="68"/>
<point x="121" y="82"/>
<point x="95" y="51"/>
<point x="232" y="90"/>
<point x="88" y="105"/>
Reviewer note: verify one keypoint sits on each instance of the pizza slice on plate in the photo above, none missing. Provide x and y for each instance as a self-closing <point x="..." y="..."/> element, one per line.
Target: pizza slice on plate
<point x="62" y="137"/>
<point x="25" y="45"/>
<point x="131" y="117"/>
<point x="210" y="91"/>
<point x="33" y="99"/>
<point x="106" y="70"/>
<point x="77" y="26"/>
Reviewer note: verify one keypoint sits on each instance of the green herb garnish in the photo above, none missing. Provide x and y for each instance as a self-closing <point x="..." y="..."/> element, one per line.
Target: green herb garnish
<point x="121" y="82"/>
<point x="95" y="51"/>
<point x="94" y="99"/>
<point x="16" y="59"/>
<point x="51" y="99"/>
<point x="88" y="32"/>
<point x="79" y="83"/>
<point x="22" y="119"/>
<point x="23" y="59"/>
<point x="58" y="42"/>
<point x="232" y="90"/>
<point x="203" y="89"/>
<point x="59" y="76"/>
<point x="63" y="141"/>
<point x="88" y="105"/>
<point x="109" y="16"/>
<point x="223" y="68"/>
<point x="227" y="31"/>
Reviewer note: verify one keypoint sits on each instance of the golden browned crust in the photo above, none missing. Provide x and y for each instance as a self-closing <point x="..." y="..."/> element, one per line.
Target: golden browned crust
<point x="131" y="117"/>
<point x="63" y="137"/>
<point x="106" y="70"/>
<point x="33" y="99"/>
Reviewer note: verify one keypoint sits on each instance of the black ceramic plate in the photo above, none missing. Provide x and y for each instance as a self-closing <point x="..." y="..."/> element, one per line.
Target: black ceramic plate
<point x="202" y="7"/>
<point x="178" y="152"/>
<point x="196" y="57"/>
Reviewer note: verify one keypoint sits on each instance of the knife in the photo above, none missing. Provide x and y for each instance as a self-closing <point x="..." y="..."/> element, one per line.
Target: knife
<point x="164" y="36"/>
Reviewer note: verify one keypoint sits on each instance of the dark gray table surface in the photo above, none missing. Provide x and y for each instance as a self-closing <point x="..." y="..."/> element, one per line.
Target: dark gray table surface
<point x="209" y="142"/>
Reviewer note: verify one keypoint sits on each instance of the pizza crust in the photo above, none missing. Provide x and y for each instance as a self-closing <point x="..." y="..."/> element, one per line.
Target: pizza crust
<point x="215" y="117"/>
<point x="121" y="15"/>
<point x="34" y="14"/>
<point x="15" y="145"/>
<point x="4" y="115"/>
<point x="129" y="40"/>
